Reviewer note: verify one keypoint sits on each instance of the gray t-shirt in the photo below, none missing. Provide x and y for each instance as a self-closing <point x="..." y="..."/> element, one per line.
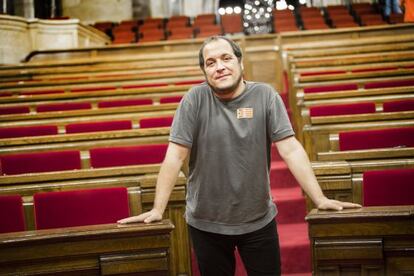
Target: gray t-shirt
<point x="228" y="183"/>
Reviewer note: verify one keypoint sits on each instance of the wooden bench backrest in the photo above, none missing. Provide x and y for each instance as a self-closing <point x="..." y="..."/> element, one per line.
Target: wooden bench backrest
<point x="316" y="138"/>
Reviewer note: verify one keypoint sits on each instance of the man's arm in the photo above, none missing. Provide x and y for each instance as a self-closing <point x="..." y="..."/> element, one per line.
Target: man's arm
<point x="170" y="168"/>
<point x="298" y="162"/>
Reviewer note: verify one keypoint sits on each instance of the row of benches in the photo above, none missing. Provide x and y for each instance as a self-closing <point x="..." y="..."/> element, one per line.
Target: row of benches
<point x="361" y="150"/>
<point x="80" y="168"/>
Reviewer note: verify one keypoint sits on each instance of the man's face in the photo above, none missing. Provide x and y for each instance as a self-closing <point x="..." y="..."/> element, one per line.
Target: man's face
<point x="222" y="69"/>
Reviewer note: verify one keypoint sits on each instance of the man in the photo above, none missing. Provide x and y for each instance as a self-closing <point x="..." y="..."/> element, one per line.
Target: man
<point x="227" y="126"/>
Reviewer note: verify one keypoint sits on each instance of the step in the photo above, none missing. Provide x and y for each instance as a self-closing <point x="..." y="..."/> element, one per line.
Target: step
<point x="291" y="205"/>
<point x="295" y="248"/>
<point x="280" y="176"/>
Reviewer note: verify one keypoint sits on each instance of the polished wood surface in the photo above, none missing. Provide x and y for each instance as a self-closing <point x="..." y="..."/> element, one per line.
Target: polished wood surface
<point x="366" y="241"/>
<point x="108" y="249"/>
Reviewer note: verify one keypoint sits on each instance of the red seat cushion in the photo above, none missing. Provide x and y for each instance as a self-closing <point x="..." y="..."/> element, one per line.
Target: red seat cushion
<point x="394" y="106"/>
<point x="127" y="102"/>
<point x="342" y="109"/>
<point x="11" y="214"/>
<point x="155" y="122"/>
<point x="330" y="88"/>
<point x="172" y="99"/>
<point x="377" y="138"/>
<point x="388" y="187"/>
<point x="188" y="82"/>
<point x="14" y="110"/>
<point x="98" y="126"/>
<point x="130" y="155"/>
<point x="43" y="92"/>
<point x="389" y="83"/>
<point x="63" y="107"/>
<point x="80" y="207"/>
<point x="40" y="162"/>
<point x="13" y="132"/>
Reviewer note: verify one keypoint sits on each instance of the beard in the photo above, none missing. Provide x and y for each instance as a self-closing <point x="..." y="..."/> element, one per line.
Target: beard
<point x="228" y="89"/>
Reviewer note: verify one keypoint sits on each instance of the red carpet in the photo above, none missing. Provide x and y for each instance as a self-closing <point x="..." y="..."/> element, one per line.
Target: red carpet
<point x="292" y="228"/>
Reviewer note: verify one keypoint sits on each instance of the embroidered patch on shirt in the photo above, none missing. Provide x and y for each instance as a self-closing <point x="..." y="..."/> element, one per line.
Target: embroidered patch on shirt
<point x="245" y="113"/>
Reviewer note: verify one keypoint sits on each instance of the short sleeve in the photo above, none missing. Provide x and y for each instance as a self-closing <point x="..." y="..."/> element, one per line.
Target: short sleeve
<point x="183" y="126"/>
<point x="279" y="126"/>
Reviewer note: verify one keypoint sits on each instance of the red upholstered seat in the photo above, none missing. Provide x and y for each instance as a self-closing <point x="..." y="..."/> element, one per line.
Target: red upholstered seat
<point x="232" y="23"/>
<point x="129" y="155"/>
<point x="127" y="102"/>
<point x="342" y="109"/>
<point x="402" y="105"/>
<point x="11" y="214"/>
<point x="172" y="99"/>
<point x="330" y="88"/>
<point x="389" y="83"/>
<point x="5" y="94"/>
<point x="205" y="19"/>
<point x="377" y="138"/>
<point x="40" y="162"/>
<point x="43" y="92"/>
<point x="62" y="107"/>
<point x="14" y="110"/>
<point x="13" y="132"/>
<point x="188" y="82"/>
<point x="388" y="187"/>
<point x="155" y="122"/>
<point x="80" y="207"/>
<point x="181" y="33"/>
<point x="98" y="126"/>
<point x="209" y="30"/>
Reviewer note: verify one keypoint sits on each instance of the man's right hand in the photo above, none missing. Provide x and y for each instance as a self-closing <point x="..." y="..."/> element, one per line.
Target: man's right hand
<point x="147" y="217"/>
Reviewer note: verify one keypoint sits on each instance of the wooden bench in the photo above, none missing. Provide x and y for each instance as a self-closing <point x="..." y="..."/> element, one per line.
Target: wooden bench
<point x="94" y="250"/>
<point x="115" y="74"/>
<point x="335" y="54"/>
<point x="90" y="66"/>
<point x="336" y="46"/>
<point x="341" y="72"/>
<point x="84" y="141"/>
<point x="342" y="180"/>
<point x="156" y="93"/>
<point x="316" y="138"/>
<point x="168" y="77"/>
<point x="370" y="240"/>
<point x="347" y="94"/>
<point x="123" y="107"/>
<point x="65" y="118"/>
<point x="331" y="54"/>
<point x="355" y="109"/>
<point x="139" y="179"/>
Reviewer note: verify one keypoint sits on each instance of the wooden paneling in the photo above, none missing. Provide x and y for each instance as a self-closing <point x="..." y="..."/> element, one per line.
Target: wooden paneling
<point x="109" y="249"/>
<point x="366" y="241"/>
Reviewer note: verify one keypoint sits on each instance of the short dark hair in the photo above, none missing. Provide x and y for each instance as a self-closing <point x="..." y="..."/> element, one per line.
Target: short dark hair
<point x="236" y="48"/>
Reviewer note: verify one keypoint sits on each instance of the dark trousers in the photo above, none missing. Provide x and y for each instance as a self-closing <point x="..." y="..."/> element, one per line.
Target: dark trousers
<point x="259" y="251"/>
